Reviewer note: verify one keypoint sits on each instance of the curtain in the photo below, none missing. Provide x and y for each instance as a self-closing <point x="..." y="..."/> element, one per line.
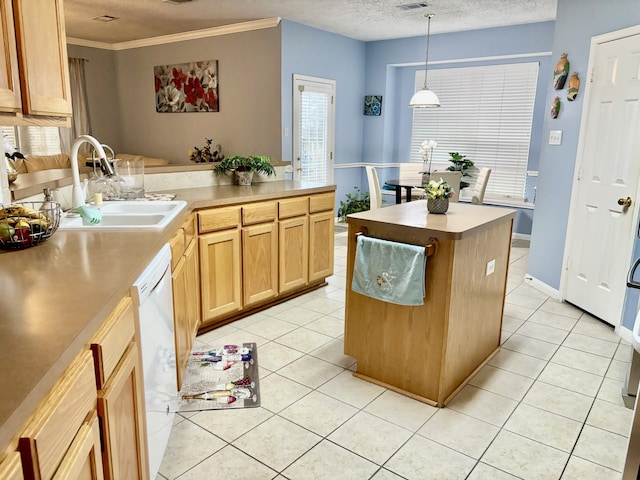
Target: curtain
<point x="80" y="122"/>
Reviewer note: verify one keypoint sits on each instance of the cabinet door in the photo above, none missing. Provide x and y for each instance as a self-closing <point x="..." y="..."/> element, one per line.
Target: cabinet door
<point x="181" y="321"/>
<point x="294" y="253"/>
<point x="259" y="262"/>
<point x="42" y="55"/>
<point x="83" y="460"/>
<point x="193" y="288"/>
<point x="121" y="410"/>
<point x="9" y="77"/>
<point x="220" y="273"/>
<point x="11" y="467"/>
<point x="320" y="245"/>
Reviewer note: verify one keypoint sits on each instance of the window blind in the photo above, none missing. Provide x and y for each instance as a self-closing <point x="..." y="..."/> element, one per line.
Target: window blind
<point x="33" y="140"/>
<point x="314" y="136"/>
<point x="486" y="114"/>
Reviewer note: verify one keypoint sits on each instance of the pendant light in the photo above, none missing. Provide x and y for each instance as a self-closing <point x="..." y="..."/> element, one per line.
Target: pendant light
<point x="425" y="98"/>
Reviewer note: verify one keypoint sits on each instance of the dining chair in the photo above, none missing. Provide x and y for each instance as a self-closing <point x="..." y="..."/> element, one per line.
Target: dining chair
<point x="452" y="178"/>
<point x="411" y="172"/>
<point x="481" y="186"/>
<point x="375" y="194"/>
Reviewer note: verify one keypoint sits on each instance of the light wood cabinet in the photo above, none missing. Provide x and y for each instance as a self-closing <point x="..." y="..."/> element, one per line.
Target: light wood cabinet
<point x="11" y="467"/>
<point x="83" y="460"/>
<point x="220" y="273"/>
<point x="321" y="227"/>
<point x="293" y="255"/>
<point x="259" y="262"/>
<point x="180" y="317"/>
<point x="10" y="100"/>
<point x="119" y="378"/>
<point x="192" y="268"/>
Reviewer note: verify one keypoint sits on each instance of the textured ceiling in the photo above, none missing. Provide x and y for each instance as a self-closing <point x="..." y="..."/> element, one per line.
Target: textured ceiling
<point x="360" y="19"/>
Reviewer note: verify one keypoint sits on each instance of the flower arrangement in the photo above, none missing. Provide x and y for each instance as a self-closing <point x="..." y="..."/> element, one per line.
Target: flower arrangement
<point x="426" y="151"/>
<point x="439" y="189"/>
<point x="206" y="153"/>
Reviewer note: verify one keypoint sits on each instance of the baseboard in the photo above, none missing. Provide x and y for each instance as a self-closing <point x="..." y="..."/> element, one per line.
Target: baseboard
<point x="624" y="333"/>
<point x="543" y="287"/>
<point x="521" y="236"/>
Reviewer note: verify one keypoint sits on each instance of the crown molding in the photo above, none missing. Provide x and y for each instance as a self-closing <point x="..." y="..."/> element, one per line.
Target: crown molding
<point x="181" y="37"/>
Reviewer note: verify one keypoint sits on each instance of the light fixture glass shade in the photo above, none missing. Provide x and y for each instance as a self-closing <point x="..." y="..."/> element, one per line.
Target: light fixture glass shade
<point x="424" y="98"/>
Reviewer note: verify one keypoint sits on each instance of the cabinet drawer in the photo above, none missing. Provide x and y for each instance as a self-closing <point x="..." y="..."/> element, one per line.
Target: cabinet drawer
<point x="46" y="439"/>
<point x="177" y="247"/>
<point x="259" y="212"/>
<point x="321" y="202"/>
<point x="189" y="227"/>
<point x="111" y="341"/>
<point x="293" y="207"/>
<point x="218" y="219"/>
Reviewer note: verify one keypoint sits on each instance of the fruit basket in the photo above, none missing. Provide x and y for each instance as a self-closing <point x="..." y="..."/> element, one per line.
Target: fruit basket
<point x="26" y="224"/>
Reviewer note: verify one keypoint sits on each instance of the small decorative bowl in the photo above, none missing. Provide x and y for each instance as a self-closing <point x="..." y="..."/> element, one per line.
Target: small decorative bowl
<point x="26" y="224"/>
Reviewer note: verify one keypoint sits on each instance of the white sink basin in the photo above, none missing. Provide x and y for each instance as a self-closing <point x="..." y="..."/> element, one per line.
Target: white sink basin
<point x="126" y="215"/>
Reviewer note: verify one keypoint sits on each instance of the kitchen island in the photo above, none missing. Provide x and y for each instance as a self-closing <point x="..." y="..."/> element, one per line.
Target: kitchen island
<point x="429" y="352"/>
<point x="55" y="296"/>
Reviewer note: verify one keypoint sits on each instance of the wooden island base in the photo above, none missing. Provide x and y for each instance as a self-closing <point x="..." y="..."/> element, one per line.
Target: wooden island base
<point x="430" y="352"/>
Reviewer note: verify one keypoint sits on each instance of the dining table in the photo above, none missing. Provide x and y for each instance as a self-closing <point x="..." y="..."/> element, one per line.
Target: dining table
<point x="407" y="183"/>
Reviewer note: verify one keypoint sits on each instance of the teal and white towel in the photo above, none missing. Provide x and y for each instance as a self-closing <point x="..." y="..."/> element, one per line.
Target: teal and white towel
<point x="389" y="271"/>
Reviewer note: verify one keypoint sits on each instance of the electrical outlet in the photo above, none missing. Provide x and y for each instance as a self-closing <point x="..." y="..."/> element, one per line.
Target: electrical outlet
<point x="555" y="137"/>
<point x="491" y="267"/>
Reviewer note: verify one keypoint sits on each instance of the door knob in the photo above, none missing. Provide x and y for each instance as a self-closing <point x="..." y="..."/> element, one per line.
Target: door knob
<point x="624" y="202"/>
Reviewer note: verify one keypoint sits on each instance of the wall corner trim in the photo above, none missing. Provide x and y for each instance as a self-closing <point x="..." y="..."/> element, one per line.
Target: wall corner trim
<point x="543" y="287"/>
<point x="181" y="37"/>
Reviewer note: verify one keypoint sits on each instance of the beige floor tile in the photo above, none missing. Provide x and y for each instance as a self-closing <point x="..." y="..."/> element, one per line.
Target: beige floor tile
<point x="349" y="389"/>
<point x="610" y="391"/>
<point x="339" y="314"/>
<point x="531" y="291"/>
<point x="231" y="423"/>
<point x="270" y="328"/>
<point x="319" y="413"/>
<point x="590" y="344"/>
<point x="516" y="311"/>
<point x="227" y="463"/>
<point x="401" y="410"/>
<point x="310" y="371"/>
<point x="461" y="432"/>
<point x="561" y="308"/>
<point x="542" y="332"/>
<point x="571" y="379"/>
<point x="524" y="300"/>
<point x="212" y="335"/>
<point x="511" y="324"/>
<point x="383" y="474"/>
<point x="332" y="293"/>
<point x="502" y="382"/>
<point x="482" y="471"/>
<point x="618" y="370"/>
<point x="370" y="437"/>
<point x="553" y="320"/>
<point x="276" y="309"/>
<point x="559" y="400"/>
<point x="277" y="442"/>
<point x="273" y="356"/>
<point x="519" y="363"/>
<point x="525" y="458"/>
<point x="423" y="459"/>
<point x="325" y="460"/>
<point x="587" y="362"/>
<point x="277" y="392"/>
<point x="303" y="339"/>
<point x="486" y="406"/>
<point x="188" y="445"/>
<point x="530" y="346"/>
<point x="593" y="327"/>
<point x="504" y="336"/>
<point x="580" y="469"/>
<point x="250" y="320"/>
<point x="327" y="325"/>
<point x="297" y="315"/>
<point x="623" y="353"/>
<point x="333" y="352"/>
<point x="323" y="306"/>
<point x="613" y="418"/>
<point x="544" y="427"/>
<point x="602" y="447"/>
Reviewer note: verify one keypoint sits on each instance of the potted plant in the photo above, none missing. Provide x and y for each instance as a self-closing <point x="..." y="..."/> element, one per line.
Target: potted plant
<point x="438" y="195"/>
<point x="354" y="203"/>
<point x="461" y="164"/>
<point x="244" y="168"/>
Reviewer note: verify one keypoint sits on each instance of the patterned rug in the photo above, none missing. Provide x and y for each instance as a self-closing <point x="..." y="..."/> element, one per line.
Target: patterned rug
<point x="220" y="378"/>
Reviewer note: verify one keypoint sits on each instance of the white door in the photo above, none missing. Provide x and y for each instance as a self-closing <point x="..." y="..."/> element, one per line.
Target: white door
<point x="600" y="242"/>
<point x="313" y="128"/>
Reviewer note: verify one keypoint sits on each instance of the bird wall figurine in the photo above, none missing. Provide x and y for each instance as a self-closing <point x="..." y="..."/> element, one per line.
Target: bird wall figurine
<point x="555" y="107"/>
<point x="574" y="86"/>
<point x="561" y="72"/>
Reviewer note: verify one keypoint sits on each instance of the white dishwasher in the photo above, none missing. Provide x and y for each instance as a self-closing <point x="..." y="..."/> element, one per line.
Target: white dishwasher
<point x="153" y="303"/>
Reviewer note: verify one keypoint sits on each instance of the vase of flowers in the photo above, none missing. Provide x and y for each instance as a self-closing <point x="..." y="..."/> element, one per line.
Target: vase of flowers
<point x="438" y="195"/>
<point x="426" y="152"/>
<point x="208" y="153"/>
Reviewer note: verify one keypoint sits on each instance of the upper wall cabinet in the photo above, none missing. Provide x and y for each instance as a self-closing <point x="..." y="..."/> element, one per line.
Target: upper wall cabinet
<point x="37" y="36"/>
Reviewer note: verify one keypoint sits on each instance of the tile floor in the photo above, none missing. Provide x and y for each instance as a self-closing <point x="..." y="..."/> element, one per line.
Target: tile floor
<point x="547" y="406"/>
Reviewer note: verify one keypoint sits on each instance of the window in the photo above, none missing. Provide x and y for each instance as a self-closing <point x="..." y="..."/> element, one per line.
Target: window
<point x="33" y="140"/>
<point x="486" y="114"/>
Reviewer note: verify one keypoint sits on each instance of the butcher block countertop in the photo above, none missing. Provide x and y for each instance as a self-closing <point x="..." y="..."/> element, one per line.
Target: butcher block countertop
<point x="55" y="295"/>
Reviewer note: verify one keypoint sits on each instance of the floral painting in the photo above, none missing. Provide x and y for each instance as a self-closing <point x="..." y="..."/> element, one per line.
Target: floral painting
<point x="187" y="87"/>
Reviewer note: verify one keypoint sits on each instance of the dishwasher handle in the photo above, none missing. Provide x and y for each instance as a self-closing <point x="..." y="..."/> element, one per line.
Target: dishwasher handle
<point x="632" y="271"/>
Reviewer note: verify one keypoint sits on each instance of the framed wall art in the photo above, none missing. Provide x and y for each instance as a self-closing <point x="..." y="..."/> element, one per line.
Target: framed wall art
<point x="187" y="87"/>
<point x="373" y="105"/>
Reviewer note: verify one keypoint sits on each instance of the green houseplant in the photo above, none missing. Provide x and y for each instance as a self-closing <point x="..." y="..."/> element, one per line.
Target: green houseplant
<point x="461" y="164"/>
<point x="245" y="167"/>
<point x="354" y="203"/>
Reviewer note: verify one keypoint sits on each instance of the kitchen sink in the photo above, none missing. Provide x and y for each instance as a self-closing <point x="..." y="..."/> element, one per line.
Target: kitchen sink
<point x="125" y="215"/>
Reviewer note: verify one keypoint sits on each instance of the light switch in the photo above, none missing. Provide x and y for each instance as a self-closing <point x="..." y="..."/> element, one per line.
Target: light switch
<point x="555" y="137"/>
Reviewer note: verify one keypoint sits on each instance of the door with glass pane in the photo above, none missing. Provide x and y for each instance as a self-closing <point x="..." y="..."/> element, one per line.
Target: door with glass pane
<point x="313" y="128"/>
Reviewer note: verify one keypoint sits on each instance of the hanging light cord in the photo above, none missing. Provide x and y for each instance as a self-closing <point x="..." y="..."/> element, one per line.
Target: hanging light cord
<point x="426" y="61"/>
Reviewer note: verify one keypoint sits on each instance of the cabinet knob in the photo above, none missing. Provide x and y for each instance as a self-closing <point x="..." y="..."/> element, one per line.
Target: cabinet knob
<point x="624" y="202"/>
